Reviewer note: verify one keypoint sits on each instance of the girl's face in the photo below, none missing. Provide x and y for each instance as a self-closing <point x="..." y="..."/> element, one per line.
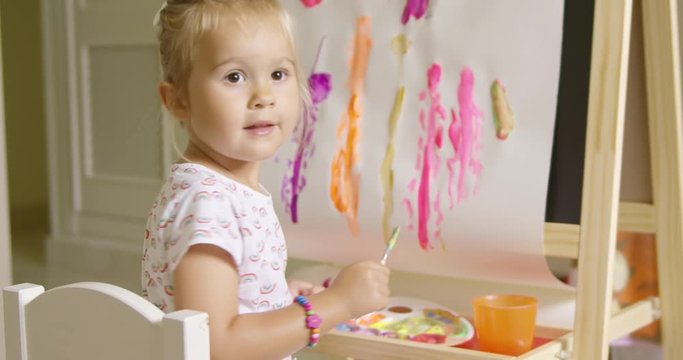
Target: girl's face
<point x="243" y="94"/>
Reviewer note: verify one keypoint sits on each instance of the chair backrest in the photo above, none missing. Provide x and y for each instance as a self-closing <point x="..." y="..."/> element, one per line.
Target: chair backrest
<point x="93" y="320"/>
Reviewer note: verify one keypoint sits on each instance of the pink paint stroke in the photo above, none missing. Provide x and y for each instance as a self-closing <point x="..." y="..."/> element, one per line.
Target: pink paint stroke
<point x="414" y="8"/>
<point x="320" y="86"/>
<point x="409" y="209"/>
<point x="310" y="3"/>
<point x="429" y="159"/>
<point x="465" y="137"/>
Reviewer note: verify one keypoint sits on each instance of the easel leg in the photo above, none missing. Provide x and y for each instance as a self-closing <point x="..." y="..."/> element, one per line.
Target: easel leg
<point x="662" y="69"/>
<point x="601" y="178"/>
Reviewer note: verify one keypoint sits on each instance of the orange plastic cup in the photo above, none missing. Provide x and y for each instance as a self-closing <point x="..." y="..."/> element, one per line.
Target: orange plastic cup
<point x="505" y="324"/>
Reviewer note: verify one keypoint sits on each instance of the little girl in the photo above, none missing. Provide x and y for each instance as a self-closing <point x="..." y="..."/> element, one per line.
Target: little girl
<point x="213" y="242"/>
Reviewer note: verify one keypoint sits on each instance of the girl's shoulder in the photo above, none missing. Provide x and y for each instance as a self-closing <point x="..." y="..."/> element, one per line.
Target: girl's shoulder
<point x="198" y="178"/>
<point x="193" y="178"/>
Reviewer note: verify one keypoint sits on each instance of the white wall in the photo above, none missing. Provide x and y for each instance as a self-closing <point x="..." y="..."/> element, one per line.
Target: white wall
<point x="5" y="260"/>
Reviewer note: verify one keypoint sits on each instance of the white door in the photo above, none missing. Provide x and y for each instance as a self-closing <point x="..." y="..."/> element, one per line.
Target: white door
<point x="108" y="147"/>
<point x="5" y="253"/>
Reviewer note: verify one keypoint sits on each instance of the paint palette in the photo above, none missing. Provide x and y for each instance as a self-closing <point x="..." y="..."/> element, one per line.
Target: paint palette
<point x="414" y="320"/>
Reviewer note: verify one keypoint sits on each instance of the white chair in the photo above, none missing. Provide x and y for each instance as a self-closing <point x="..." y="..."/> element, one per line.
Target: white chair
<point x="90" y="320"/>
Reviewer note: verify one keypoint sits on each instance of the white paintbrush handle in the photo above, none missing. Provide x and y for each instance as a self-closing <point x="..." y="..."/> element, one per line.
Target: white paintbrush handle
<point x="384" y="258"/>
<point x="390" y="245"/>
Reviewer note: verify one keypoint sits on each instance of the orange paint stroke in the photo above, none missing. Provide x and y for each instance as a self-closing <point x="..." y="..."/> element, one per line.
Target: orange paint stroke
<point x="345" y="181"/>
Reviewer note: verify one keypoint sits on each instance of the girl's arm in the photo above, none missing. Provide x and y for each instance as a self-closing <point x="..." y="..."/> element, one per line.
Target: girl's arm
<point x="206" y="279"/>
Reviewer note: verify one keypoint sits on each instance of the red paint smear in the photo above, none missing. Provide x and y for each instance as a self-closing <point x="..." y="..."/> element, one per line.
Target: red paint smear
<point x="473" y="344"/>
<point x="428" y="159"/>
<point x="310" y="3"/>
<point x="465" y="137"/>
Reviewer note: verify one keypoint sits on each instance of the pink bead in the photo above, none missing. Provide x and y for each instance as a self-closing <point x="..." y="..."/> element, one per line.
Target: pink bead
<point x="313" y="321"/>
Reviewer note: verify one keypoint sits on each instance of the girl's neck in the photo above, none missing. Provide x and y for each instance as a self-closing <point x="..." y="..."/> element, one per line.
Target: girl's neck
<point x="245" y="172"/>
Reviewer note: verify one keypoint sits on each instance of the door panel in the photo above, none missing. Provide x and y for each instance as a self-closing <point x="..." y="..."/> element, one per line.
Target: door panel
<point x="109" y="140"/>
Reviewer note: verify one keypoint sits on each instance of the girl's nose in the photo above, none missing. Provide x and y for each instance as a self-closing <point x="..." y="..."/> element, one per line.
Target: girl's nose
<point x="262" y="98"/>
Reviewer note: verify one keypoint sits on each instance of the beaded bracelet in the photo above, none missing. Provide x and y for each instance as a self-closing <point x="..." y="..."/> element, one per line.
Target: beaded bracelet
<point x="312" y="320"/>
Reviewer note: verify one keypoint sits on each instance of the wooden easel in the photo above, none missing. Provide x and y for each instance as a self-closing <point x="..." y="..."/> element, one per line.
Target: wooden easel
<point x="595" y="325"/>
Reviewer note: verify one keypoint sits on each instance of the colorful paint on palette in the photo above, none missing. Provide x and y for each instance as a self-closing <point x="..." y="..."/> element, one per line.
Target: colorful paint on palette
<point x="293" y="183"/>
<point x="413" y="320"/>
<point x="345" y="179"/>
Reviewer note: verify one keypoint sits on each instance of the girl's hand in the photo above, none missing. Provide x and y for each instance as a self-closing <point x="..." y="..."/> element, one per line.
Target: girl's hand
<point x="300" y="287"/>
<point x="362" y="287"/>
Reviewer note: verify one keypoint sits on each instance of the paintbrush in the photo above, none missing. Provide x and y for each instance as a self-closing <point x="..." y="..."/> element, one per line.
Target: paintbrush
<point x="390" y="244"/>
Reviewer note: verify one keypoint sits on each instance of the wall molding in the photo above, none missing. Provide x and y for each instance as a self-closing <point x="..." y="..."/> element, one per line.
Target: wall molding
<point x="93" y="259"/>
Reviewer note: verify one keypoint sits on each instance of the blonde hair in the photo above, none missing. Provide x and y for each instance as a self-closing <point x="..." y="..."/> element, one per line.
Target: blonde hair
<point x="182" y="22"/>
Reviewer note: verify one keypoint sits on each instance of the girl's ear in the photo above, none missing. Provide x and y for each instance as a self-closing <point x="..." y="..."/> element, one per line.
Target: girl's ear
<point x="173" y="102"/>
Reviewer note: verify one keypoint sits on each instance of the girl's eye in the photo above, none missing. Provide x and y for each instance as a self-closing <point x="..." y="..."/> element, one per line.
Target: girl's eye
<point x="278" y="75"/>
<point x="234" y="77"/>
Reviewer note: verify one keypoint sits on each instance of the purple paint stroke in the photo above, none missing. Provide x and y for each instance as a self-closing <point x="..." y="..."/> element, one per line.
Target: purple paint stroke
<point x="465" y="137"/>
<point x="414" y="8"/>
<point x="320" y="86"/>
<point x="310" y="3"/>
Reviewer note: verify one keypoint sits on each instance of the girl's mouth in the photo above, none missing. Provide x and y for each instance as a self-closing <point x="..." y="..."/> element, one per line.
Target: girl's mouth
<point x="260" y="128"/>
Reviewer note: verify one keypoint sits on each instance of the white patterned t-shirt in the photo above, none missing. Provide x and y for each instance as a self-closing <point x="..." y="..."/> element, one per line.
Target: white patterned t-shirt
<point x="197" y="205"/>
